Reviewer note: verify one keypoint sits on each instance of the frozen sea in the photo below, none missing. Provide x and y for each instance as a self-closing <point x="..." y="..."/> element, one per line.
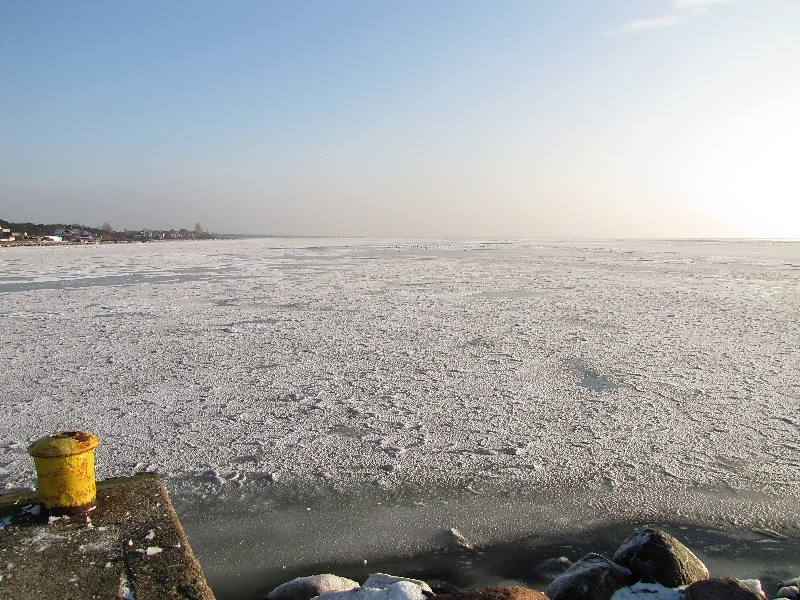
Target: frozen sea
<point x="321" y="402"/>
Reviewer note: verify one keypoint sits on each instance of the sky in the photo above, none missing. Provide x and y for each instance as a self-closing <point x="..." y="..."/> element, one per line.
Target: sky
<point x="413" y="118"/>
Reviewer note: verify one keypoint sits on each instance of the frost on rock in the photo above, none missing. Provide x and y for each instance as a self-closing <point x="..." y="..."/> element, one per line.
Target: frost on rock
<point x="594" y="576"/>
<point x="639" y="538"/>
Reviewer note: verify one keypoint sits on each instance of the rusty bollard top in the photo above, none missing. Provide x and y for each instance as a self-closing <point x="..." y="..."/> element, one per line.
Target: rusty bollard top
<point x="65" y="470"/>
<point x="63" y="443"/>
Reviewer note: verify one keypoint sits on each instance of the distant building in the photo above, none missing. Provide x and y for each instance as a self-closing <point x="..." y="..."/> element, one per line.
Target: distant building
<point x="74" y="234"/>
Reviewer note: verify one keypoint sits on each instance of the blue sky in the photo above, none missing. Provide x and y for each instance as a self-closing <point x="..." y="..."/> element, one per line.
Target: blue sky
<point x="618" y="118"/>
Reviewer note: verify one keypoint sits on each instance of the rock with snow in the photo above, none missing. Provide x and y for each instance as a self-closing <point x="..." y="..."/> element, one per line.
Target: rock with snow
<point x="753" y="585"/>
<point x="721" y="588"/>
<point x="305" y="588"/>
<point x="401" y="590"/>
<point x="594" y="577"/>
<point x="495" y="593"/>
<point x="654" y="556"/>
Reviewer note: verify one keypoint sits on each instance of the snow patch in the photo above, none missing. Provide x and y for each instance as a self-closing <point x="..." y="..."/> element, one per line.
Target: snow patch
<point x="384" y="581"/>
<point x="647" y="591"/>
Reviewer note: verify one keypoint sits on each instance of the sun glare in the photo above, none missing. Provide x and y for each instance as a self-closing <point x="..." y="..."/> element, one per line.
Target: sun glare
<point x="739" y="170"/>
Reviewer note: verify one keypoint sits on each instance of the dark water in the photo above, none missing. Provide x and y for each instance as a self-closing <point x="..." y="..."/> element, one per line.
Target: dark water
<point x="725" y="553"/>
<point x="248" y="548"/>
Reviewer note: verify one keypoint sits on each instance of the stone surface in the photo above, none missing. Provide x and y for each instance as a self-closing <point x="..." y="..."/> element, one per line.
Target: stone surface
<point x="495" y="593"/>
<point x="657" y="557"/>
<point x="594" y="577"/>
<point x="305" y="588"/>
<point x="131" y="544"/>
<point x="720" y="588"/>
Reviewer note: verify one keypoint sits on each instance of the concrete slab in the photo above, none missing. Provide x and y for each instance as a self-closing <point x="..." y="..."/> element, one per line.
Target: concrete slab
<point x="131" y="546"/>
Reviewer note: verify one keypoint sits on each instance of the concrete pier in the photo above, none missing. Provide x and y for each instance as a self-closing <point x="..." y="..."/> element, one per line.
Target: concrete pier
<point x="130" y="546"/>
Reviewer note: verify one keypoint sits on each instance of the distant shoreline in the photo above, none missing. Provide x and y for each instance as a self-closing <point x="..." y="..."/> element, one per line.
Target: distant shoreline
<point x="32" y="243"/>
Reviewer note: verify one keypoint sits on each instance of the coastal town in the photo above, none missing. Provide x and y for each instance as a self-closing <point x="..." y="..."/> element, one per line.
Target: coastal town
<point x="43" y="234"/>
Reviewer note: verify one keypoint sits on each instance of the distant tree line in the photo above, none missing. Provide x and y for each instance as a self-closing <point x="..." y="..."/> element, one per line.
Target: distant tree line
<point x="106" y="233"/>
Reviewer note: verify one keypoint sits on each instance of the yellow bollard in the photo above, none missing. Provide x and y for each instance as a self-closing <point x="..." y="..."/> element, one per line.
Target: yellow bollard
<point x="65" y="470"/>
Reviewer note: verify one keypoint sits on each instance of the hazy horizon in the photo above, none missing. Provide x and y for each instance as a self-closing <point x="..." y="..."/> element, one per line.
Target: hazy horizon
<point x="430" y="238"/>
<point x="664" y="119"/>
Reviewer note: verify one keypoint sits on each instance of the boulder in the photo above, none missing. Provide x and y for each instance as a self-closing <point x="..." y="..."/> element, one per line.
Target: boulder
<point x="593" y="577"/>
<point x="789" y="591"/>
<point x="305" y="588"/>
<point x="495" y="593"/>
<point x="654" y="556"/>
<point x="720" y="588"/>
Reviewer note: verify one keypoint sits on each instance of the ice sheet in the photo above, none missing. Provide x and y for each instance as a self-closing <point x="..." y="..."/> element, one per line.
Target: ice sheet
<point x="643" y="377"/>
